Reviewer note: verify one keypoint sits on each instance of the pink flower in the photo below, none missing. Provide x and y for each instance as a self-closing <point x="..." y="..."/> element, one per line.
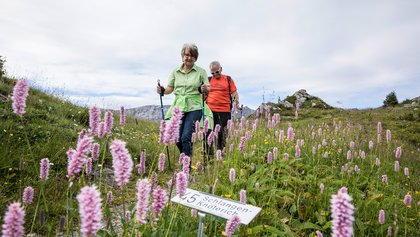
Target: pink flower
<point x="388" y="136"/>
<point x="77" y="157"/>
<point x="286" y="156"/>
<point x="389" y="231"/>
<point x="90" y="210"/>
<point x="181" y="158"/>
<point x="398" y="152"/>
<point x="181" y="183"/>
<point x="186" y="165"/>
<point x="95" y="151"/>
<point x="290" y="134"/>
<point x="232" y="175"/>
<point x="379" y="126"/>
<point x="270" y="158"/>
<point x="297" y="151"/>
<point x="20" y="92"/>
<point x="82" y="134"/>
<point x="342" y="214"/>
<point x="141" y="167"/>
<point x="13" y="221"/>
<point x="94" y="119"/>
<point x="205" y="125"/>
<point x="45" y="167"/>
<point x="127" y="216"/>
<point x="193" y="137"/>
<point x="379" y="139"/>
<point x="352" y="144"/>
<point x="396" y="166"/>
<point x="318" y="234"/>
<point x="231" y="225"/>
<point x="172" y="130"/>
<point x="88" y="168"/>
<point x="242" y="144"/>
<point x="407" y="200"/>
<point x="326" y="154"/>
<point x="200" y="136"/>
<point x="162" y="131"/>
<point x="121" y="162"/>
<point x="28" y="195"/>
<point x="217" y="129"/>
<point x="197" y="126"/>
<point x="210" y="138"/>
<point x="348" y="155"/>
<point x="275" y="153"/>
<point x="143" y="193"/>
<point x="122" y="116"/>
<point x="381" y="217"/>
<point x="242" y="196"/>
<point x="161" y="165"/>
<point x="281" y="136"/>
<point x="194" y="212"/>
<point x="109" y="122"/>
<point x="406" y="171"/>
<point x="101" y="129"/>
<point x="159" y="199"/>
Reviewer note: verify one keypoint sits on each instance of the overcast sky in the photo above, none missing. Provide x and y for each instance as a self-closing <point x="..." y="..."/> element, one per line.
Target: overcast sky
<point x="351" y="54"/>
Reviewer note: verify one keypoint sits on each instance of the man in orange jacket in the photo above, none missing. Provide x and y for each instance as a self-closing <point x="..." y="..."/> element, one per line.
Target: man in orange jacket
<point x="222" y="95"/>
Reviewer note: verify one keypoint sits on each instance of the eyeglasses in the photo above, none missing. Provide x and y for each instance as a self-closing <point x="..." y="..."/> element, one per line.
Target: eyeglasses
<point x="216" y="72"/>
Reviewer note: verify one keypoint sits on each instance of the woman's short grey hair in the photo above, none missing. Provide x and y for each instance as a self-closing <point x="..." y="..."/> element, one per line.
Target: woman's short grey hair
<point x="193" y="50"/>
<point x="216" y="63"/>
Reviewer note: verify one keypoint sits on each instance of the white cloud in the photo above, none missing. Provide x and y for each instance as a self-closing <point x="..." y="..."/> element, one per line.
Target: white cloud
<point x="109" y="53"/>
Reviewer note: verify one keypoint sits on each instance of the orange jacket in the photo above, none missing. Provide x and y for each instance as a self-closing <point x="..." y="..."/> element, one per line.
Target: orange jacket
<point x="219" y="98"/>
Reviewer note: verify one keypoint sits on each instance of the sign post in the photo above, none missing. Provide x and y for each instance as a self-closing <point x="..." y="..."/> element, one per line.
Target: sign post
<point x="217" y="206"/>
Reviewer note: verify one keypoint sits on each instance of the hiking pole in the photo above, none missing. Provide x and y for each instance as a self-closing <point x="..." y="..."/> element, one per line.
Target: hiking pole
<point x="204" y="134"/>
<point x="241" y="109"/>
<point x="162" y="91"/>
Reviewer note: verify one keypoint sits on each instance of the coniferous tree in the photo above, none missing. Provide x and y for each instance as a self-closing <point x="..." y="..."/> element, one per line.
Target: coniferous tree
<point x="391" y="99"/>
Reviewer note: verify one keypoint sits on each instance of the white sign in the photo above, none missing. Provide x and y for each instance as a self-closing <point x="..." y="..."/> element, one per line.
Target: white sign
<point x="217" y="206"/>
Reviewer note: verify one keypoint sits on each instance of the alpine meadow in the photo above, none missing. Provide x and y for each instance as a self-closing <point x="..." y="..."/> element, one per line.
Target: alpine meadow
<point x="67" y="170"/>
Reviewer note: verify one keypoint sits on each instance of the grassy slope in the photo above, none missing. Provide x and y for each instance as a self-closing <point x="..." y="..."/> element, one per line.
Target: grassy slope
<point x="51" y="126"/>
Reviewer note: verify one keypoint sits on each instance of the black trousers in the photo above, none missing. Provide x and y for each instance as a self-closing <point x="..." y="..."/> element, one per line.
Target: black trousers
<point x="221" y="118"/>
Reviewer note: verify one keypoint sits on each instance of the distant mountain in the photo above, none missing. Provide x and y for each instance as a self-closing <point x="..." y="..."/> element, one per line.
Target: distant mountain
<point x="154" y="112"/>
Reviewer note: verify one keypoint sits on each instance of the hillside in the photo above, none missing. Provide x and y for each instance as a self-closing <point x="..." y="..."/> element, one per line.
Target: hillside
<point x="287" y="190"/>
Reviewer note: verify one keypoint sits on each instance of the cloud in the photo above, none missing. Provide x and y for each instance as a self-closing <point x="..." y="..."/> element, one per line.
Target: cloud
<point x="113" y="53"/>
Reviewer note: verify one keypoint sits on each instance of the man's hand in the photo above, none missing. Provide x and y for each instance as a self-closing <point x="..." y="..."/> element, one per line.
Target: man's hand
<point x="160" y="90"/>
<point x="204" y="89"/>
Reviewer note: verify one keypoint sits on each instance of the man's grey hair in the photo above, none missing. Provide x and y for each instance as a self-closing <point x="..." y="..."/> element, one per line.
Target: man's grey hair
<point x="193" y="50"/>
<point x="216" y="63"/>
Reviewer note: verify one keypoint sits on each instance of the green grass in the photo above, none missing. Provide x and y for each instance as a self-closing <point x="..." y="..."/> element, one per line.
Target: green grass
<point x="287" y="191"/>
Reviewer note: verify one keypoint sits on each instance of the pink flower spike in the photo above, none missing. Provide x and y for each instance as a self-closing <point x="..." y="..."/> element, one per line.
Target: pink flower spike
<point x="242" y="196"/>
<point x="181" y="183"/>
<point x="121" y="162"/>
<point x="45" y="167"/>
<point x="95" y="151"/>
<point x="270" y="158"/>
<point x="13" y="221"/>
<point x="159" y="199"/>
<point x="379" y="126"/>
<point x="143" y="193"/>
<point x="20" y="92"/>
<point x="141" y="167"/>
<point x="219" y="155"/>
<point x="232" y="175"/>
<point x="90" y="210"/>
<point x="398" y="152"/>
<point x="109" y="122"/>
<point x="342" y="214"/>
<point x="94" y="119"/>
<point x="407" y="200"/>
<point x="388" y="136"/>
<point x="297" y="151"/>
<point x="162" y="132"/>
<point x="318" y="234"/>
<point x="231" y="225"/>
<point x="161" y="165"/>
<point x="381" y="217"/>
<point x="321" y="188"/>
<point x="28" y="195"/>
